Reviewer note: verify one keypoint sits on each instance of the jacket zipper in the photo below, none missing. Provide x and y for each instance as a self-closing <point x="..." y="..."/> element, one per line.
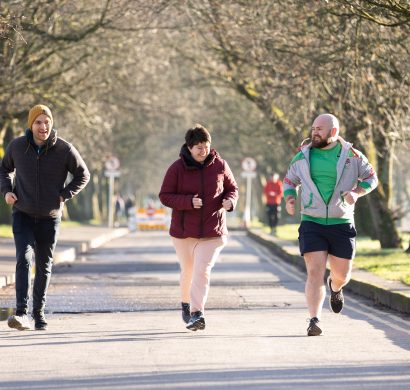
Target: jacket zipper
<point x="201" y="231"/>
<point x="337" y="182"/>
<point x="38" y="184"/>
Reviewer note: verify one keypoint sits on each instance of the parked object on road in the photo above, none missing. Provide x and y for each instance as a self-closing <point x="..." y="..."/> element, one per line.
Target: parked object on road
<point x="199" y="188"/>
<point x="40" y="162"/>
<point x="152" y="218"/>
<point x="331" y="175"/>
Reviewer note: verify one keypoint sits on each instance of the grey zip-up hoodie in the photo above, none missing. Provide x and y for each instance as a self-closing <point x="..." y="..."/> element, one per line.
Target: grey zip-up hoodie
<point x="353" y="169"/>
<point x="40" y="176"/>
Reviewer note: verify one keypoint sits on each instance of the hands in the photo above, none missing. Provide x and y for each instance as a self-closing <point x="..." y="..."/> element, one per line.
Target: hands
<point x="10" y="198"/>
<point x="196" y="202"/>
<point x="227" y="204"/>
<point x="290" y="205"/>
<point x="350" y="196"/>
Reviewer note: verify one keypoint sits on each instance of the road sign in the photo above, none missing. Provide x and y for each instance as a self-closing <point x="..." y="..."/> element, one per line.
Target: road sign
<point x="249" y="164"/>
<point x="110" y="173"/>
<point x="249" y="167"/>
<point x="112" y="164"/>
<point x="112" y="170"/>
<point x="245" y="175"/>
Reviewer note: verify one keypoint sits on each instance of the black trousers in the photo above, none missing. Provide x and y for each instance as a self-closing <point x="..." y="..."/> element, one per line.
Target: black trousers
<point x="273" y="214"/>
<point x="38" y="237"/>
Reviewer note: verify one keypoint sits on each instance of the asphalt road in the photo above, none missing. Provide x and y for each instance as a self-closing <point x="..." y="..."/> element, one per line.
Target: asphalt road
<point x="115" y="324"/>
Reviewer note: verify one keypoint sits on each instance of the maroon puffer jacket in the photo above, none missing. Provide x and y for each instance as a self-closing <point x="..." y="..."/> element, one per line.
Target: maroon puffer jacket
<point x="213" y="181"/>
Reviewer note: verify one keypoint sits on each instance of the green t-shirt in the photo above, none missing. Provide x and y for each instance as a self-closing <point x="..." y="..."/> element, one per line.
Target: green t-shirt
<point x="323" y="164"/>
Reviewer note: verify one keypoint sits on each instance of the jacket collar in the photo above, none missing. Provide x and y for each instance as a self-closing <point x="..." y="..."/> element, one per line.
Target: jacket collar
<point x="51" y="141"/>
<point x="190" y="163"/>
<point x="345" y="145"/>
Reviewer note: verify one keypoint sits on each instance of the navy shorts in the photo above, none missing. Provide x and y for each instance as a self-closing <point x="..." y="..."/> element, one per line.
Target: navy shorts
<point x="337" y="240"/>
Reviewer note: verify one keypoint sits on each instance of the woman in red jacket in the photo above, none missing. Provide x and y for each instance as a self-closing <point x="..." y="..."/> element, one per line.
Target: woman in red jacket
<point x="199" y="188"/>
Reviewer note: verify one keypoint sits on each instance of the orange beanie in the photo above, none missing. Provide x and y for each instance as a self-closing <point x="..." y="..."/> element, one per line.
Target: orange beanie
<point x="36" y="111"/>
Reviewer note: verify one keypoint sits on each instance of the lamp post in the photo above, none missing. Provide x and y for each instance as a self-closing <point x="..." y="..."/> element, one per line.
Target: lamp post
<point x="249" y="172"/>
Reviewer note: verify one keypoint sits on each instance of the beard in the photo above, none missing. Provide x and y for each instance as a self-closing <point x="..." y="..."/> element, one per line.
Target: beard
<point x="319" y="142"/>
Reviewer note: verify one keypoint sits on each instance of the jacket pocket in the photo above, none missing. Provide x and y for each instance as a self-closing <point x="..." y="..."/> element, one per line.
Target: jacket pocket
<point x="342" y="200"/>
<point x="309" y="201"/>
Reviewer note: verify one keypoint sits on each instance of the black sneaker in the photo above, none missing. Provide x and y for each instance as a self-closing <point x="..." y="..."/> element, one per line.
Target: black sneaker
<point x="197" y="321"/>
<point x="186" y="314"/>
<point x="19" y="322"/>
<point x="40" y="322"/>
<point x="313" y="328"/>
<point x="336" y="299"/>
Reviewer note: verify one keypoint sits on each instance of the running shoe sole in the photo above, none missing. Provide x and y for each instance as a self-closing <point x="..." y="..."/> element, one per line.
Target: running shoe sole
<point x="13" y="323"/>
<point x="41" y="327"/>
<point x="314" y="330"/>
<point x="197" y="325"/>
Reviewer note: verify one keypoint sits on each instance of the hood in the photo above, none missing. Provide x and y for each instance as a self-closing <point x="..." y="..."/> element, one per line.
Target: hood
<point x="51" y="141"/>
<point x="190" y="163"/>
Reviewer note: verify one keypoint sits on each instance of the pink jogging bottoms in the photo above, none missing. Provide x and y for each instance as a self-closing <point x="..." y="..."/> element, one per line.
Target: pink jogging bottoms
<point x="196" y="258"/>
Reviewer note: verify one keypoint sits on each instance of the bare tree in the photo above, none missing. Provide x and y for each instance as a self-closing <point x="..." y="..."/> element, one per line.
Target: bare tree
<point x="294" y="60"/>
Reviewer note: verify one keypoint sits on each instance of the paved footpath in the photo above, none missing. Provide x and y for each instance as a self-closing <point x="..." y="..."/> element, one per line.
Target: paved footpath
<point x="255" y="336"/>
<point x="74" y="241"/>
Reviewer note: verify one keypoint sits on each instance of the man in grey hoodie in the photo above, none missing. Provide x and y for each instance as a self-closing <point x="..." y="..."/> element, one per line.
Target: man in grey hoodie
<point x="33" y="173"/>
<point x="331" y="175"/>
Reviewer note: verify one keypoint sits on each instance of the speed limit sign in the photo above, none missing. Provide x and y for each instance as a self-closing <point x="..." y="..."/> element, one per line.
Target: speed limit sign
<point x="249" y="164"/>
<point x="112" y="164"/>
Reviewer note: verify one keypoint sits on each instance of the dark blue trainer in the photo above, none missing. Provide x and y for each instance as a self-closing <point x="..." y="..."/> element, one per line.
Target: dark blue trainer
<point x="196" y="322"/>
<point x="186" y="312"/>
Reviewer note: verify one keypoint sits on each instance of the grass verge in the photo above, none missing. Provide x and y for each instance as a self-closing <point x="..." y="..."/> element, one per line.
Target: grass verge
<point x="5" y="231"/>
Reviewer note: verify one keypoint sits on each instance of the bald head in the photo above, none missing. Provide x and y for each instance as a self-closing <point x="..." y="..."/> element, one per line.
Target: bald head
<point x="325" y="130"/>
<point x="327" y="120"/>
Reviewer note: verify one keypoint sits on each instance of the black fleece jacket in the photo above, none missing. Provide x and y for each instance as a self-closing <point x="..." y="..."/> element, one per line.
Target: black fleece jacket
<point x="40" y="174"/>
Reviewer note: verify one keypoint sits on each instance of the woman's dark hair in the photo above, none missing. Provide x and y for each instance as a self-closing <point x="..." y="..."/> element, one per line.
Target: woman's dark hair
<point x="196" y="135"/>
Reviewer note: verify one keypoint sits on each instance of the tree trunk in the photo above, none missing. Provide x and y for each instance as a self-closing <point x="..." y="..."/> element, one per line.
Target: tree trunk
<point x="365" y="225"/>
<point x="381" y="215"/>
<point x="387" y="232"/>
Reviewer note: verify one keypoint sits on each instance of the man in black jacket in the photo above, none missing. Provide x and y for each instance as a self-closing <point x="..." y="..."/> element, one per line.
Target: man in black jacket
<point x="40" y="163"/>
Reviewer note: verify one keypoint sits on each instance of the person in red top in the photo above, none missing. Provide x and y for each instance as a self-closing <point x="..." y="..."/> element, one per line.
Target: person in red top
<point x="200" y="188"/>
<point x="273" y="192"/>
